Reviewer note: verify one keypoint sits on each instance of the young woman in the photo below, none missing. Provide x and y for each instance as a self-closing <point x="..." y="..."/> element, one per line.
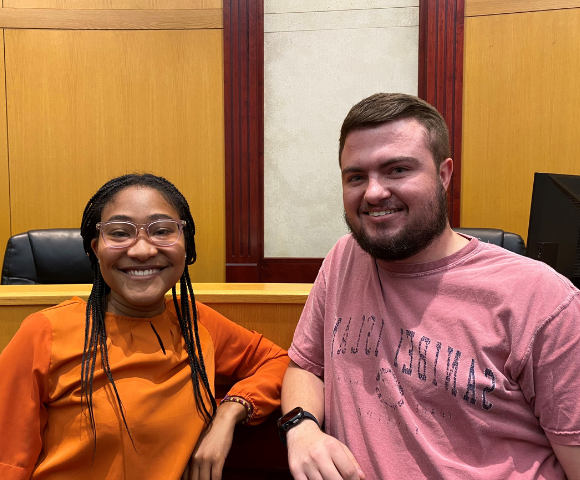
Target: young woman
<point x="122" y="386"/>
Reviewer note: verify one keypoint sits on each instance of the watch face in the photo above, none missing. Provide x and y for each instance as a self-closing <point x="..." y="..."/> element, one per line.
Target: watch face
<point x="286" y="422"/>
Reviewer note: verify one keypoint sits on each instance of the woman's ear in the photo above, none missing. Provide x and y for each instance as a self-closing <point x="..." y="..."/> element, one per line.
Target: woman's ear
<point x="94" y="246"/>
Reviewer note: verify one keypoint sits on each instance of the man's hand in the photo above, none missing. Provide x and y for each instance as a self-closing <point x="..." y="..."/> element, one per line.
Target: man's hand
<point x="213" y="446"/>
<point x="314" y="455"/>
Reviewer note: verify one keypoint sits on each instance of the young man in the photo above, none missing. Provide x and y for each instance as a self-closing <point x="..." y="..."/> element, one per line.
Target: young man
<point x="427" y="354"/>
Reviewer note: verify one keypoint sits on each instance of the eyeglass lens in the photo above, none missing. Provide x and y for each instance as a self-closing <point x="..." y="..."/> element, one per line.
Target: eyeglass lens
<point x="122" y="234"/>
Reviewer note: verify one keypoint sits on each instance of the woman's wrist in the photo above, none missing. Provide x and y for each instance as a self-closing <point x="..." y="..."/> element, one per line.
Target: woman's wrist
<point x="238" y="406"/>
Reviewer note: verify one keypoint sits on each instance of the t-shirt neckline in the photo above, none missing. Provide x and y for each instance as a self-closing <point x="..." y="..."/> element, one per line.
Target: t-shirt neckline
<point x="430" y="267"/>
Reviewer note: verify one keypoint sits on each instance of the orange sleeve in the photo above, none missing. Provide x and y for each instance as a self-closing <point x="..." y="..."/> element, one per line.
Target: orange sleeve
<point x="24" y="367"/>
<point x="257" y="363"/>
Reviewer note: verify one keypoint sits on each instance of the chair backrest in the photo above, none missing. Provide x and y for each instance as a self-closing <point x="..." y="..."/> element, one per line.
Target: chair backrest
<point x="510" y="241"/>
<point x="46" y="257"/>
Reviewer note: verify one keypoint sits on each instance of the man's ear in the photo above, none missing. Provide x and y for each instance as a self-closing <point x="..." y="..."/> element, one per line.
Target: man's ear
<point x="445" y="172"/>
<point x="94" y="246"/>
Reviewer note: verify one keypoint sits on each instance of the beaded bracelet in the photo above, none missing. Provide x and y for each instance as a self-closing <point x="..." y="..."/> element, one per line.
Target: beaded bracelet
<point x="242" y="402"/>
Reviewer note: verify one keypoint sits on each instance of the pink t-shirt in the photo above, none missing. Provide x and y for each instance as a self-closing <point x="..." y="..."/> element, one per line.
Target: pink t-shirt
<point x="466" y="367"/>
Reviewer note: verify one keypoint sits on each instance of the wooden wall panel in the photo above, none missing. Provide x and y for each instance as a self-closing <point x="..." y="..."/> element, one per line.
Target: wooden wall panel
<point x="441" y="25"/>
<point x="114" y="4"/>
<point x="4" y="168"/>
<point x="12" y="317"/>
<point x="91" y="19"/>
<point x="495" y="7"/>
<point x="85" y="106"/>
<point x="276" y="322"/>
<point x="521" y="104"/>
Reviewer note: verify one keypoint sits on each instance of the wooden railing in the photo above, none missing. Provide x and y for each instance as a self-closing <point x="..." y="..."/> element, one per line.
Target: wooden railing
<point x="271" y="309"/>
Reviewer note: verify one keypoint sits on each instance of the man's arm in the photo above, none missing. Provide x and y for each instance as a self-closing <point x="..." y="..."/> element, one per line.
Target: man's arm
<point x="312" y="453"/>
<point x="569" y="458"/>
<point x="303" y="389"/>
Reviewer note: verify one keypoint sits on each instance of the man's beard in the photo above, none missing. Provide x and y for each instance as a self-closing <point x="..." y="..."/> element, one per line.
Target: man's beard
<point x="412" y="239"/>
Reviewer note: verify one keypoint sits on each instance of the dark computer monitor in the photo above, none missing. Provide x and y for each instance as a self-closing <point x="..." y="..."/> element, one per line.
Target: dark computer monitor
<point x="554" y="230"/>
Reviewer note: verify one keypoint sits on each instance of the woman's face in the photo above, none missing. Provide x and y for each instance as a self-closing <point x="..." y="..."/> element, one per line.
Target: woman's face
<point x="133" y="293"/>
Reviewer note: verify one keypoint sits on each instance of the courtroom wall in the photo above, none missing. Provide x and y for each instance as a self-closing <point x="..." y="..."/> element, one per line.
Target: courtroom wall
<point x="320" y="58"/>
<point x="521" y="103"/>
<point x="99" y="88"/>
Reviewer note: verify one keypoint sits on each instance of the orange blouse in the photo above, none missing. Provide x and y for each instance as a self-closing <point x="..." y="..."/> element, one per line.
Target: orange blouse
<point x="45" y="431"/>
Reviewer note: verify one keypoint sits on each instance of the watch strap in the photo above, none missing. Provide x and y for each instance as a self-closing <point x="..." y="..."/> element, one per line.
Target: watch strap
<point x="283" y="427"/>
<point x="308" y="415"/>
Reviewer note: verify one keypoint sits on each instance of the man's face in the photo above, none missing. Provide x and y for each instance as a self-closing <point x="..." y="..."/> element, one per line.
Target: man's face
<point x="394" y="196"/>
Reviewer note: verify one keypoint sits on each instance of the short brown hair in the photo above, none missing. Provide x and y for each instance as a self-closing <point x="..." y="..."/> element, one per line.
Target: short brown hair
<point x="385" y="107"/>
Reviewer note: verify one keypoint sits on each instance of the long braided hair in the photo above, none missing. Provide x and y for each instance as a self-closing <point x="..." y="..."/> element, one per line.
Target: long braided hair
<point x="95" y="332"/>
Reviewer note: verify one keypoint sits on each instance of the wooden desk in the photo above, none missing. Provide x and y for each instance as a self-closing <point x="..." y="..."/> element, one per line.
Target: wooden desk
<point x="272" y="309"/>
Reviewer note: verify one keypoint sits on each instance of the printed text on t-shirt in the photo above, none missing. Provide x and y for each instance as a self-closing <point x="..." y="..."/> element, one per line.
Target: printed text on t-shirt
<point x="414" y="356"/>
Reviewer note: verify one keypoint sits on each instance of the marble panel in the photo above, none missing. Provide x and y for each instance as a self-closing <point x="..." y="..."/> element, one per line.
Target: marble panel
<point x="312" y="78"/>
<point x="285" y="6"/>
<point x="342" y="19"/>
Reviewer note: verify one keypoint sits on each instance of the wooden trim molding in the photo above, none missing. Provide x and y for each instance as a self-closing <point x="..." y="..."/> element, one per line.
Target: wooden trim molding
<point x="114" y="4"/>
<point x="475" y="8"/>
<point x="244" y="137"/>
<point x="441" y="38"/>
<point x="45" y="296"/>
<point x="440" y="83"/>
<point x="171" y="19"/>
<point x="289" y="270"/>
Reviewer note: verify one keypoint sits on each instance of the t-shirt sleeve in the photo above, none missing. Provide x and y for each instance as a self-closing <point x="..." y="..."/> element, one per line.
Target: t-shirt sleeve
<point x="256" y="362"/>
<point x="307" y="349"/>
<point x="24" y="367"/>
<point x="550" y="377"/>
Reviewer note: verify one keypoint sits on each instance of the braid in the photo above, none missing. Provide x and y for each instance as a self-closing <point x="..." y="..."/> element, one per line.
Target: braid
<point x="95" y="331"/>
<point x="196" y="362"/>
<point x="96" y="340"/>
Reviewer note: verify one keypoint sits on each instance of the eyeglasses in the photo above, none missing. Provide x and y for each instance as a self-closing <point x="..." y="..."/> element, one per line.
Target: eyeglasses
<point x="162" y="233"/>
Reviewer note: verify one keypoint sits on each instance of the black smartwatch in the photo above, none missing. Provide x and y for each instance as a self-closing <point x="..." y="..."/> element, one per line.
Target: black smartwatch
<point x="291" y="419"/>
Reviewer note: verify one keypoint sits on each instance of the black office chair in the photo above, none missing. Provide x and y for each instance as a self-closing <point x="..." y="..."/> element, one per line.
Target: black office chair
<point x="46" y="257"/>
<point x="510" y="241"/>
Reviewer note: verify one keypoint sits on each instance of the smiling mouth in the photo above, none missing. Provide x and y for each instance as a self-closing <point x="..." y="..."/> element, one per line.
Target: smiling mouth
<point x="142" y="273"/>
<point x="383" y="212"/>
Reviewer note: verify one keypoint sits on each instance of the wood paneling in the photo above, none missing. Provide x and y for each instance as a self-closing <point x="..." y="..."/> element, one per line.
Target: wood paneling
<point x="441" y="25"/>
<point x="114" y="4"/>
<point x="110" y="19"/>
<point x="521" y="104"/>
<point x="4" y="168"/>
<point x="276" y="322"/>
<point x="272" y="464"/>
<point x="494" y="7"/>
<point x="273" y="310"/>
<point x="289" y="269"/>
<point x="244" y="137"/>
<point x="86" y="106"/>
<point x="12" y="317"/>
